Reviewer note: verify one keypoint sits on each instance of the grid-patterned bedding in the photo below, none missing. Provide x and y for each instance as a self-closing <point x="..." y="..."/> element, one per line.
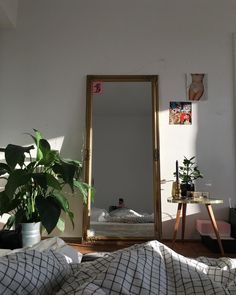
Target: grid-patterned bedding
<point x="32" y="272"/>
<point x="152" y="268"/>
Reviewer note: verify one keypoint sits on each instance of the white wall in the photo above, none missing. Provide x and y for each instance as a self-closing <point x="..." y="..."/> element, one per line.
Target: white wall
<point x="56" y="43"/>
<point x="8" y="13"/>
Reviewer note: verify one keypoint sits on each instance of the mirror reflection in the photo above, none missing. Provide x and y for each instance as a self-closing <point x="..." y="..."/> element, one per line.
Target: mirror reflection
<point x="122" y="160"/>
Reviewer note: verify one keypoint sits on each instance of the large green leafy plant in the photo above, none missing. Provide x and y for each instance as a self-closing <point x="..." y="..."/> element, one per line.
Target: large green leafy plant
<point x="35" y="187"/>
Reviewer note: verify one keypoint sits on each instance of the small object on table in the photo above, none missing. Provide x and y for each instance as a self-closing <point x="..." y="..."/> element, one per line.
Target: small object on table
<point x="190" y="195"/>
<point x="175" y="185"/>
<point x="177" y="171"/>
<point x="198" y="195"/>
<point x="175" y="190"/>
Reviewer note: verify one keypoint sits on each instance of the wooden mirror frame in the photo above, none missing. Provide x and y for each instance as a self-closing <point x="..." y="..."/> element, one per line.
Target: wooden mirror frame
<point x="155" y="139"/>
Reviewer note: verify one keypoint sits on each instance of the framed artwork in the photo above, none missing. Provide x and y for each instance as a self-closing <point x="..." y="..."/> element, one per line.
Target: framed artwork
<point x="196" y="86"/>
<point x="180" y="113"/>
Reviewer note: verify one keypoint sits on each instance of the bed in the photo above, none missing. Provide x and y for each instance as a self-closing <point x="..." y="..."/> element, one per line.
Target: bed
<point x="122" y="222"/>
<point x="119" y="229"/>
<point x="149" y="268"/>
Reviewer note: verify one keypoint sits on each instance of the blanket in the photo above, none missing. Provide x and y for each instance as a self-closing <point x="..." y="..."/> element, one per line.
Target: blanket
<point x="151" y="268"/>
<point x="32" y="272"/>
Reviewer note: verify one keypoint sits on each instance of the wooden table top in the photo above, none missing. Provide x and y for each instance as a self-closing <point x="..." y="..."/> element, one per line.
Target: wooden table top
<point x="204" y="201"/>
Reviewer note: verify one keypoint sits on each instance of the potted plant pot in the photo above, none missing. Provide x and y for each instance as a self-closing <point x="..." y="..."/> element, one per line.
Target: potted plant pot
<point x="187" y="173"/>
<point x="186" y="187"/>
<point x="30" y="233"/>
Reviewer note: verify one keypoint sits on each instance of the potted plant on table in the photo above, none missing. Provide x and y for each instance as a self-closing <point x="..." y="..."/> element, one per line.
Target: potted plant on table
<point x="34" y="191"/>
<point x="187" y="174"/>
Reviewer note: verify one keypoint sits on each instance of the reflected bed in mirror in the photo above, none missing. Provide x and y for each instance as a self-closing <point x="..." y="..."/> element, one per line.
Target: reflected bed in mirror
<point x="122" y="162"/>
<point x="121" y="222"/>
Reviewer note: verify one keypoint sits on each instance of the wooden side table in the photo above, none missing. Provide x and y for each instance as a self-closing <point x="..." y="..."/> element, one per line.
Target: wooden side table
<point x="182" y="206"/>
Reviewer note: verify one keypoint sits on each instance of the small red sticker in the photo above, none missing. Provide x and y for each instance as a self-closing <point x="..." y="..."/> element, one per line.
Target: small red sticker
<point x="97" y="87"/>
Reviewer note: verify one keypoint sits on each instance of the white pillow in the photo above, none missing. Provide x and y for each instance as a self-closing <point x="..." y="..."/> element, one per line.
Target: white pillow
<point x="98" y="214"/>
<point x="56" y="244"/>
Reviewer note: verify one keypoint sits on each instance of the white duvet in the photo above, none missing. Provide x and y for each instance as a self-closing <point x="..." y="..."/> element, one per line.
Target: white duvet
<point x="151" y="268"/>
<point x="56" y="244"/>
<point x="120" y="215"/>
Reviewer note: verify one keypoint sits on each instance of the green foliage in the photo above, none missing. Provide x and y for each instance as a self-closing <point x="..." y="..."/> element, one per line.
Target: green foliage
<point x="34" y="188"/>
<point x="189" y="171"/>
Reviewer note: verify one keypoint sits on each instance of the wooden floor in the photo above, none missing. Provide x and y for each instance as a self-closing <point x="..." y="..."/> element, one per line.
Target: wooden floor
<point x="195" y="249"/>
<point x="186" y="248"/>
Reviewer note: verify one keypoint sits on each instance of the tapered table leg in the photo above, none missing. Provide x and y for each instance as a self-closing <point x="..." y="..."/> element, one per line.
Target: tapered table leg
<point x="183" y="220"/>
<point x="215" y="227"/>
<point x="177" y="223"/>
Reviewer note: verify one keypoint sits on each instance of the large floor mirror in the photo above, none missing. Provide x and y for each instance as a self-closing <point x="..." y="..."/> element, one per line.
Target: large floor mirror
<point x="122" y="158"/>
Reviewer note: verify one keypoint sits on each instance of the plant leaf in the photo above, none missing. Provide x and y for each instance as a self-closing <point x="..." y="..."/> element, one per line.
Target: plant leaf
<point x="10" y="222"/>
<point x="76" y="163"/>
<point x="71" y="216"/>
<point x="44" y="146"/>
<point x="20" y="216"/>
<point x="49" y="212"/>
<point x="4" y="203"/>
<point x="61" y="200"/>
<point x="65" y="171"/>
<point x="4" y="168"/>
<point x="36" y="139"/>
<point x="83" y="188"/>
<point x="64" y="204"/>
<point x="15" y="154"/>
<point x="53" y="182"/>
<point x="49" y="158"/>
<point x="16" y="179"/>
<point x="46" y="179"/>
<point x="40" y="179"/>
<point x="31" y="166"/>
